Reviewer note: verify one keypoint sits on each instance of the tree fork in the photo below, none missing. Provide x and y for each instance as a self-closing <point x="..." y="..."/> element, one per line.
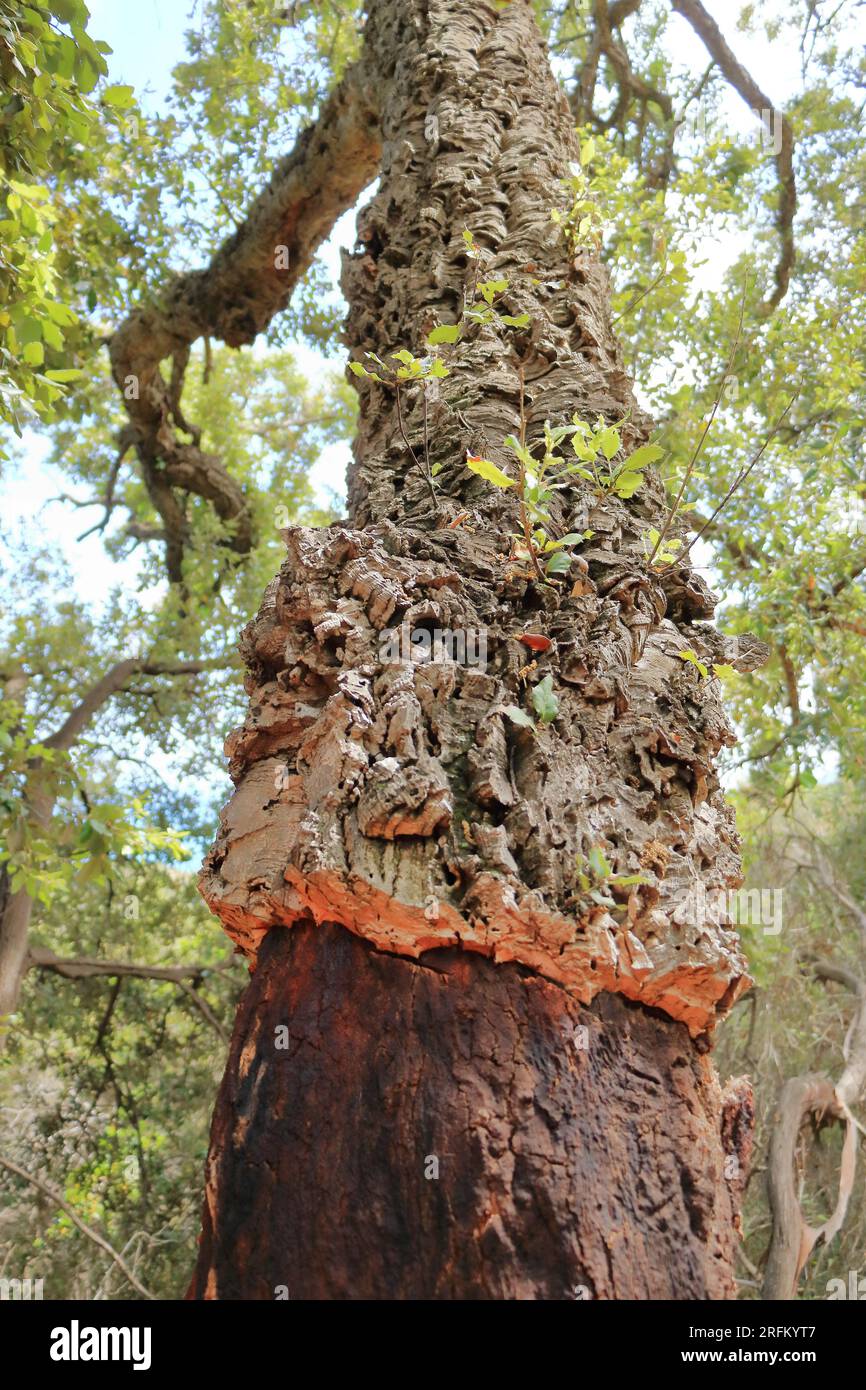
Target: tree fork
<point x="394" y="817"/>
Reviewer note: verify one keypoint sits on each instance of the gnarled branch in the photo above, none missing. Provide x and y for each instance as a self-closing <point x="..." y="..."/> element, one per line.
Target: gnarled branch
<point x="59" y="1200"/>
<point x="16" y="908"/>
<point x="816" y="1097"/>
<point x="248" y="281"/>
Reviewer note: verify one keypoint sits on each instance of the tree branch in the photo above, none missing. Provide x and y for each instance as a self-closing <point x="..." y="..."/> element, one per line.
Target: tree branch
<point x="248" y="281"/>
<point x="16" y="908"/>
<point x="60" y="1201"/>
<point x="744" y="84"/>
<point x="815" y="1096"/>
<point x="85" y="967"/>
<point x="113" y="682"/>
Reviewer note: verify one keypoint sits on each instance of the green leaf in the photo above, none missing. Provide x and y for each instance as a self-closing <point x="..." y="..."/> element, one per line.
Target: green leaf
<point x="513" y="443"/>
<point x="627" y="484"/>
<point x="64" y="374"/>
<point x="559" y="563"/>
<point x="647" y="453"/>
<point x="488" y="471"/>
<point x="516" y="320"/>
<point x="445" y="333"/>
<point x="86" y="72"/>
<point x="582" y="448"/>
<point x="519" y="716"/>
<point x="358" y="368"/>
<point x="52" y="335"/>
<point x="68" y="11"/>
<point x="597" y="861"/>
<point x="608" y="441"/>
<point x="489" y="289"/>
<point x="544" y="701"/>
<point x="119" y="95"/>
<point x="33" y="354"/>
<point x="694" y="659"/>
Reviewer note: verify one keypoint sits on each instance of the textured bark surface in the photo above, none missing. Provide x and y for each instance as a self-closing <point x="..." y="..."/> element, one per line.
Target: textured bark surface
<point x="390" y="799"/>
<point x="396" y="797"/>
<point x="564" y="1170"/>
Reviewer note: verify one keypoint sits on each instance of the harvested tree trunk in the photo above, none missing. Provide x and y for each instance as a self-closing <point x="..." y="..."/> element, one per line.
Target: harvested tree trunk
<point x="433" y="1125"/>
<point x="476" y="1145"/>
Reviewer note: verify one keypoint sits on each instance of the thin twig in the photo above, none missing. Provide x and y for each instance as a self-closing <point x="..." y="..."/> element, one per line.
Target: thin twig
<point x="643" y="294"/>
<point x="97" y="1239"/>
<point x="524" y="514"/>
<point x="700" y="444"/>
<point x="739" y="480"/>
<point x="415" y="460"/>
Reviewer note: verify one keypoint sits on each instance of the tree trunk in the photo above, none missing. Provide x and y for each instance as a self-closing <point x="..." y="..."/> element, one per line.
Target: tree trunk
<point x="463" y="1073"/>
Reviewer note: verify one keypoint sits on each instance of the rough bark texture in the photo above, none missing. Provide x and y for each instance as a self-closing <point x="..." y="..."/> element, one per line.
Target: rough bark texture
<point x="564" y="1170"/>
<point x="370" y="790"/>
<point x="393" y="798"/>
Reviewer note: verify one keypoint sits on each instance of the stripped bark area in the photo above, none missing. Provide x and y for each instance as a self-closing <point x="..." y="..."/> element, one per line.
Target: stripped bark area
<point x="482" y="1147"/>
<point x="399" y="800"/>
<point x="423" y="849"/>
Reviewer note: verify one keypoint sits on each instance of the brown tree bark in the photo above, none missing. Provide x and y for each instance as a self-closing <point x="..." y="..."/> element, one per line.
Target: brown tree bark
<point x="424" y="849"/>
<point x="478" y="1145"/>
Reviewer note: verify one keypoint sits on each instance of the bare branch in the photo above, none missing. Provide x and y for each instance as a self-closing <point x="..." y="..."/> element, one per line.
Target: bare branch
<point x="744" y="84"/>
<point x="815" y="1097"/>
<point x="113" y="682"/>
<point x="85" y="967"/>
<point x="60" y="1201"/>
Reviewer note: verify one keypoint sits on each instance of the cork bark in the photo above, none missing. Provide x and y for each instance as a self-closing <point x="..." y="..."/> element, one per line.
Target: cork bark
<point x="390" y="813"/>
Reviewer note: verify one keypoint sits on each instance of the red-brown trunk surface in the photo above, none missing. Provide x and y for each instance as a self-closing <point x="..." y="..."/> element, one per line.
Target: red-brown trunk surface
<point x="570" y="1165"/>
